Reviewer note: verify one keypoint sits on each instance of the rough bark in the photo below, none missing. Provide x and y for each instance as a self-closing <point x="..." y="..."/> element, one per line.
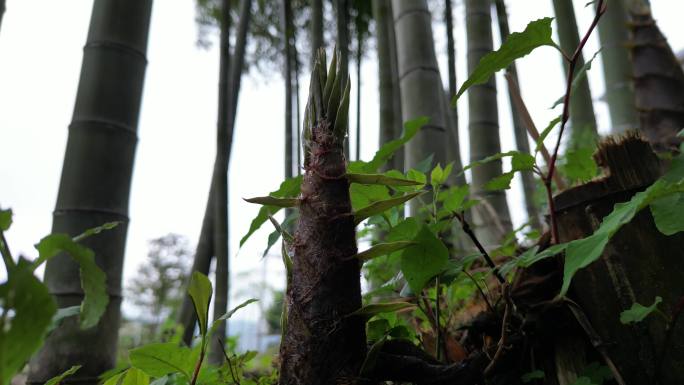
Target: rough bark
<point x="388" y="80"/>
<point x="658" y="81"/>
<point x="521" y="139"/>
<point x="638" y="264"/>
<point x="95" y="184"/>
<point x="322" y="344"/>
<point x="582" y="117"/>
<point x="617" y="68"/>
<point x="492" y="222"/>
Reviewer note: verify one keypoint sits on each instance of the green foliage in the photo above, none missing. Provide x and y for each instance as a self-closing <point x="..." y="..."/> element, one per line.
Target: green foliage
<point x="536" y="34"/>
<point x="5" y="219"/>
<point x="540" y="141"/>
<point x="33" y="308"/>
<point x="425" y="258"/>
<point x="667" y="213"/>
<point x="639" y="312"/>
<point x="289" y="188"/>
<point x="58" y="379"/>
<point x="578" y="164"/>
<point x="200" y="292"/>
<point x="579" y="75"/>
<point x="382" y="249"/>
<point x="160" y="359"/>
<point x="533" y="375"/>
<point x="381" y="179"/>
<point x="273" y="201"/>
<point x="132" y="376"/>
<point x="383" y="205"/>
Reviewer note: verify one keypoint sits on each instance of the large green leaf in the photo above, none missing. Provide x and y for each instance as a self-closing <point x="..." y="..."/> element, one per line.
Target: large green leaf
<point x="538" y="33"/>
<point x="423" y="260"/>
<point x="362" y="195"/>
<point x="22" y="334"/>
<point x="160" y="359"/>
<point x="288" y="189"/>
<point x="579" y="165"/>
<point x="200" y="291"/>
<point x="639" y="312"/>
<point x="667" y="213"/>
<point x="455" y="196"/>
<point x="58" y="379"/>
<point x="381" y="206"/>
<point x="385" y="153"/>
<point x="93" y="279"/>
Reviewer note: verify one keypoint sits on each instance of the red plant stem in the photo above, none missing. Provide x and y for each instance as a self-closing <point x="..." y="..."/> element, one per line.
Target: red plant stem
<point x="195" y="374"/>
<point x="600" y="10"/>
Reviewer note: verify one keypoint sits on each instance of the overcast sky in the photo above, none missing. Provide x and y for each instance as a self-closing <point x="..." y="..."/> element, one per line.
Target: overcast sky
<point x="40" y="59"/>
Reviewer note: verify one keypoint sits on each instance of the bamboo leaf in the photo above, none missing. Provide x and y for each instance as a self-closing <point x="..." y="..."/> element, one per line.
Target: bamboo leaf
<point x="546" y="132"/>
<point x="273" y="201"/>
<point x="383" y="249"/>
<point x="639" y="312"/>
<point x="381" y="180"/>
<point x="377" y="308"/>
<point x="579" y="75"/>
<point x="96" y="230"/>
<point x="381" y="206"/>
<point x="227" y="316"/>
<point x="332" y="103"/>
<point x="536" y="34"/>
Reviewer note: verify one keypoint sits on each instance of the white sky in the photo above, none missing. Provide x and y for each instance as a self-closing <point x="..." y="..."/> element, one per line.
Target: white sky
<point x="40" y="59"/>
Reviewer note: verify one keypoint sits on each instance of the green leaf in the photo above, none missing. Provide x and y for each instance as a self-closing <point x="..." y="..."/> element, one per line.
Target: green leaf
<point x="377" y="308"/>
<point x="546" y="132"/>
<point x="501" y="182"/>
<point x="134" y="376"/>
<point x="363" y="195"/>
<point x="489" y="159"/>
<point x="273" y="201"/>
<point x="93" y="279"/>
<point x="667" y="213"/>
<point x="386" y="152"/>
<point x="382" y="249"/>
<point x="200" y="291"/>
<point x="455" y="197"/>
<point x="5" y="219"/>
<point x="423" y="260"/>
<point x="579" y="75"/>
<point x="289" y="188"/>
<point x="160" y="359"/>
<point x="33" y="308"/>
<point x="537" y="34"/>
<point x="342" y="116"/>
<point x="381" y="206"/>
<point x="579" y="165"/>
<point x="372" y="357"/>
<point x="534" y="375"/>
<point x="58" y="379"/>
<point x="61" y="314"/>
<point x="638" y="312"/>
<point x="425" y="165"/>
<point x="381" y="180"/>
<point x="522" y="162"/>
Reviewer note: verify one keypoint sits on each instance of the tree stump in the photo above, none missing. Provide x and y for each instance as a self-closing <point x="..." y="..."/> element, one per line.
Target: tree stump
<point x="638" y="264"/>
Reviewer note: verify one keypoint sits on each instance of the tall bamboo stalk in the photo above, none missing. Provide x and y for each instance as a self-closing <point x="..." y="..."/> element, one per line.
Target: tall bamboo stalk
<point x="453" y="148"/>
<point x="388" y="79"/>
<point x="493" y="220"/>
<point x="521" y="138"/>
<point x="287" y="54"/>
<point x="316" y="28"/>
<point x="2" y="11"/>
<point x="617" y="68"/>
<point x="420" y="82"/>
<point x="582" y="117"/>
<point x="343" y="47"/>
<point x="95" y="184"/>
